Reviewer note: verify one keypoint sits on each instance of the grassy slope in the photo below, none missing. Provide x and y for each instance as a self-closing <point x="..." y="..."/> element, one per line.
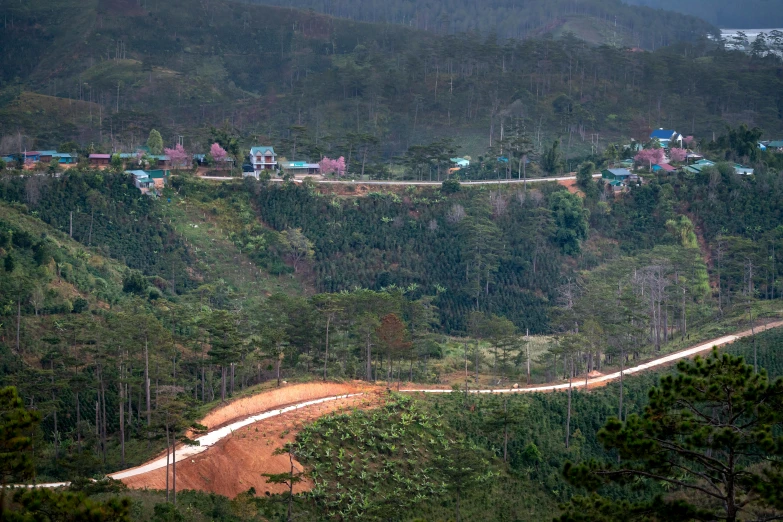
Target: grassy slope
<point x="206" y="226"/>
<point x="84" y="265"/>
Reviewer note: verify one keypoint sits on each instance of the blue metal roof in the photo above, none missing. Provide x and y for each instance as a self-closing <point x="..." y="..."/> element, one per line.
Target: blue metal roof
<point x="262" y="150"/>
<point x="620" y="172"/>
<point x="662" y="134"/>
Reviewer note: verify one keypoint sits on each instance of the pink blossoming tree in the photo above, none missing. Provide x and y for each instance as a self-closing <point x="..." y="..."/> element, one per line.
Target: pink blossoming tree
<point x="678" y="155"/>
<point x="218" y="154"/>
<point x="649" y="157"/>
<point x="178" y="156"/>
<point x="332" y="166"/>
<point x="688" y="140"/>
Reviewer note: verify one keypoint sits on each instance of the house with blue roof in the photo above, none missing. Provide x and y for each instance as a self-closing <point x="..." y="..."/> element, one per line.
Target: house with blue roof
<point x="263" y="158"/>
<point x="461" y="162"/>
<point x="775" y="146"/>
<point x="667" y="138"/>
<point x="743" y="170"/>
<point x="65" y="158"/>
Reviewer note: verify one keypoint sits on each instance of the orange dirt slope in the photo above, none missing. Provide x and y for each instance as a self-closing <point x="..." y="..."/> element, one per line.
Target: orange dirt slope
<point x="238" y="462"/>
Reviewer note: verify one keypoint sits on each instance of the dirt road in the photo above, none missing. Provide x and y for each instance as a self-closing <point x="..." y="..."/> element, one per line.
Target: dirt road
<point x="210" y="474"/>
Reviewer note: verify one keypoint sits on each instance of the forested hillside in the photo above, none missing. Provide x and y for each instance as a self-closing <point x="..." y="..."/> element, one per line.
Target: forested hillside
<point x="750" y="14"/>
<point x="332" y="284"/>
<point x="645" y="28"/>
<point x="314" y="85"/>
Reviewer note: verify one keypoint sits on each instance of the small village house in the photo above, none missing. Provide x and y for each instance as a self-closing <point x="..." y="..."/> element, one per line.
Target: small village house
<point x="664" y="167"/>
<point x="460" y="162"/>
<point x="621" y="175"/>
<point x="301" y="167"/>
<point x="775" y="146"/>
<point x="31" y="156"/>
<point x="45" y="156"/>
<point x="148" y="180"/>
<point x="100" y="160"/>
<point x="263" y="158"/>
<point x="142" y="180"/>
<point x="162" y="161"/>
<point x="65" y="158"/>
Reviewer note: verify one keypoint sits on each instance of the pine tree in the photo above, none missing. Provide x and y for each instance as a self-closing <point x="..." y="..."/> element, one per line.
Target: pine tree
<point x="712" y="431"/>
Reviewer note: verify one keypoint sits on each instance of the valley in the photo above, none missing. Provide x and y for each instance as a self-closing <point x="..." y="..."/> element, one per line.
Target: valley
<point x="348" y="261"/>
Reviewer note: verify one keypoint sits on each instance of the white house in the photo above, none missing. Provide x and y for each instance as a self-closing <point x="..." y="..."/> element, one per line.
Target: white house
<point x="667" y="138"/>
<point x="263" y="158"/>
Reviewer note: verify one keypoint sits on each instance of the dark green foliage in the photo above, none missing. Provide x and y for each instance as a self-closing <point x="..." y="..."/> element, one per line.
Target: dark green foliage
<point x="571" y="221"/>
<point x="703" y="431"/>
<point x="450" y="186"/>
<point x="551" y="160"/>
<point x="503" y="259"/>
<point x="16" y="463"/>
<point x="167" y="513"/>
<point x="134" y="283"/>
<point x="47" y="505"/>
<point x="108" y="213"/>
<point x="375" y="465"/>
<point x="80" y="305"/>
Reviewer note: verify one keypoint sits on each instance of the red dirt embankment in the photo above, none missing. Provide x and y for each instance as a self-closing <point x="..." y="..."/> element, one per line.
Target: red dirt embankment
<point x="277" y="398"/>
<point x="236" y="463"/>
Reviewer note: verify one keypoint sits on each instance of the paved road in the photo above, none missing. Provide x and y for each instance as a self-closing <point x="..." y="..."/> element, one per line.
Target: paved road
<point x="414" y="183"/>
<point x="213" y="437"/>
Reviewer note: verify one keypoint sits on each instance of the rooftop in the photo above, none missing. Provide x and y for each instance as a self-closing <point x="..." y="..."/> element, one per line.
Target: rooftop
<point x="663" y="134"/>
<point x="619" y="172"/>
<point x="262" y="150"/>
<point x="666" y="167"/>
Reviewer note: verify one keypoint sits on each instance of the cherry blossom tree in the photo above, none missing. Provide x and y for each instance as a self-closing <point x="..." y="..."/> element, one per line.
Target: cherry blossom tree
<point x="649" y="157"/>
<point x="218" y="153"/>
<point x="332" y="166"/>
<point x="678" y="155"/>
<point x="178" y="156"/>
<point x="688" y="140"/>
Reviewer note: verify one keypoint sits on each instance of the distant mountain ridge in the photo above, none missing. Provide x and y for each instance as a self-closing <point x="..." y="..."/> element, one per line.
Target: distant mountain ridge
<point x="649" y="28"/>
<point x="747" y="14"/>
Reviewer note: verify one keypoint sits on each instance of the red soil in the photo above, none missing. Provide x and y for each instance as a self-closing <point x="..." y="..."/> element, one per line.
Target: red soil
<point x="236" y="463"/>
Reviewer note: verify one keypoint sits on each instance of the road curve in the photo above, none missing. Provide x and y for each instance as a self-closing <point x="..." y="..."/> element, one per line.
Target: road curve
<point x="213" y="437"/>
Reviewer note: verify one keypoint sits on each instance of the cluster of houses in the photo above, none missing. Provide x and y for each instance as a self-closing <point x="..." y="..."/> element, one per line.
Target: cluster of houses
<point x="44" y="156"/>
<point x="622" y="176"/>
<point x="264" y="159"/>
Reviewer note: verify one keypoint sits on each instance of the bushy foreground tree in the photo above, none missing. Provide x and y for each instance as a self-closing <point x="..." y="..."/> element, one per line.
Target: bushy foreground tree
<point x="711" y="434"/>
<point x="16" y="465"/>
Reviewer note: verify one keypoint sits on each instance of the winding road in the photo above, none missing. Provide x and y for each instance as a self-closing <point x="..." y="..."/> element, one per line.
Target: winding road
<point x="414" y="183"/>
<point x="211" y="438"/>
